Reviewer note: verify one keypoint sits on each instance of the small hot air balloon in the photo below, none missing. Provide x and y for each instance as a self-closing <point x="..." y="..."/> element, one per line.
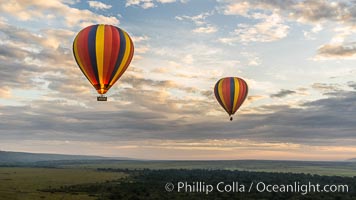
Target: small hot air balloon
<point x="231" y="92"/>
<point x="103" y="53"/>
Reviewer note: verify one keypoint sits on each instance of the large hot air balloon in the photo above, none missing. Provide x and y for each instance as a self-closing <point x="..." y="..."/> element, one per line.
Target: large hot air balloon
<point x="103" y="53"/>
<point x="231" y="92"/>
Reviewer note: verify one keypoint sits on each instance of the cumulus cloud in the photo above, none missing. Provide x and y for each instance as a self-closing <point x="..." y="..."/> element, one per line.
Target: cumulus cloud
<point x="39" y="62"/>
<point x="142" y="3"/>
<point x="314" y="12"/>
<point x="271" y="28"/>
<point x="237" y="8"/>
<point x="55" y="9"/>
<point x="99" y="5"/>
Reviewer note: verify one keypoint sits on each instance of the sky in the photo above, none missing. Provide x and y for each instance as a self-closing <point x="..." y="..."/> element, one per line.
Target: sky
<point x="297" y="56"/>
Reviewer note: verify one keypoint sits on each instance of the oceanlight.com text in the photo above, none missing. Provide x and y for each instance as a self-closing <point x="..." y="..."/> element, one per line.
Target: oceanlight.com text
<point x="259" y="187"/>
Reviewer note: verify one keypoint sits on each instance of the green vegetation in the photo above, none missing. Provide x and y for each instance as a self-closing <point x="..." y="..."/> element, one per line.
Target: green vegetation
<point x="25" y="183"/>
<point x="320" y="168"/>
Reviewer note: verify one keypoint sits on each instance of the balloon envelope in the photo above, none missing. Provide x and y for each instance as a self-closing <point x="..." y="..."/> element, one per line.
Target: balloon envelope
<point x="103" y="53"/>
<point x="231" y="92"/>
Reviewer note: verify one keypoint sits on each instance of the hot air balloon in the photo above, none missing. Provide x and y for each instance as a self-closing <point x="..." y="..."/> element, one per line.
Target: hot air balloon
<point x="231" y="92"/>
<point x="103" y="53"/>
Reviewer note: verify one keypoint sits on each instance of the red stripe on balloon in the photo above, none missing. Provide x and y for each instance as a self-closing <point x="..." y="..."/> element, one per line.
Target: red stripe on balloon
<point x="227" y="94"/>
<point x="83" y="54"/>
<point x="107" y="53"/>
<point x="115" y="42"/>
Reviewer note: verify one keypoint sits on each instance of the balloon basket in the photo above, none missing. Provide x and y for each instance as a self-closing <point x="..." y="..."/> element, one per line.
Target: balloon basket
<point x="102" y="98"/>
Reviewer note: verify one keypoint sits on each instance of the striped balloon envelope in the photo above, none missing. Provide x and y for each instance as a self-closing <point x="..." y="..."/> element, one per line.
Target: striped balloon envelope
<point x="231" y="92"/>
<point x="103" y="53"/>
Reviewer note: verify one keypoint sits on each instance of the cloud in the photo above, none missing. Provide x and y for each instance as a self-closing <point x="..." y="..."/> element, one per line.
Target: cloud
<point x="138" y="39"/>
<point x="313" y="11"/>
<point x="271" y="28"/>
<point x="99" y="5"/>
<point x="54" y="10"/>
<point x="327" y="121"/>
<point x="199" y="19"/>
<point x="251" y="58"/>
<point x="16" y="49"/>
<point x="255" y="97"/>
<point x="200" y="22"/>
<point x="311" y="35"/>
<point x="337" y="51"/>
<point x="145" y="4"/>
<point x="207" y="29"/>
<point x="282" y="93"/>
<point x="39" y="63"/>
<point x="238" y="8"/>
<point x="319" y="11"/>
<point x="352" y="84"/>
<point x="325" y="88"/>
<point x="166" y="1"/>
<point x="5" y="92"/>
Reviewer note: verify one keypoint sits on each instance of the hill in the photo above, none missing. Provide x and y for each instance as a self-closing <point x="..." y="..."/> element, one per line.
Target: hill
<point x="7" y="157"/>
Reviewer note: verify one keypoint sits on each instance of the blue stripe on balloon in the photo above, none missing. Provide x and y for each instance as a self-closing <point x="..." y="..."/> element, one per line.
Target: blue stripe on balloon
<point x="121" y="53"/>
<point x="92" y="50"/>
<point x="232" y="93"/>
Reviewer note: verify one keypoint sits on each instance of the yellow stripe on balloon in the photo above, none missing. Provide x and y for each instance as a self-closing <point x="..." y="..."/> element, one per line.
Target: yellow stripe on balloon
<point x="99" y="45"/>
<point x="221" y="95"/>
<point x="237" y="92"/>
<point x="124" y="59"/>
<point x="75" y="48"/>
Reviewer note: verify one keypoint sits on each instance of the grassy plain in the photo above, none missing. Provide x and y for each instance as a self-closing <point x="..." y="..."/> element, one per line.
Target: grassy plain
<point x="20" y="183"/>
